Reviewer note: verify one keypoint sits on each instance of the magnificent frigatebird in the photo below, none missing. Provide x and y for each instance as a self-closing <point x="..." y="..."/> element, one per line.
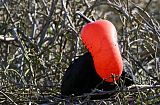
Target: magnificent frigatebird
<point x="99" y="68"/>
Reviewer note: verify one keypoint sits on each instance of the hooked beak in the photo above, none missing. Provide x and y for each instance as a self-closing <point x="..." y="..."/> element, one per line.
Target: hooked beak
<point x="84" y="17"/>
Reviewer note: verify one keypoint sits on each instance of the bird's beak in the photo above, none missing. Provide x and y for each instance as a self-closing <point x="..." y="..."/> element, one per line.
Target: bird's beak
<point x="84" y="17"/>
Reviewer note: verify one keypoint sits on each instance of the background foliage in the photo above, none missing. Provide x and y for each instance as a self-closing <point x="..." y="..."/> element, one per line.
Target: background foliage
<point x="40" y="38"/>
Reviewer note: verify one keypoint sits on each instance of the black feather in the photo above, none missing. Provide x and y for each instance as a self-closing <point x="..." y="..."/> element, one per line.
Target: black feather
<point x="81" y="77"/>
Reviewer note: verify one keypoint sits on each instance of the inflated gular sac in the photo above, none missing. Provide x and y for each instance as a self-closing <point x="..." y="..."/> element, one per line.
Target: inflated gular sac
<point x="100" y="38"/>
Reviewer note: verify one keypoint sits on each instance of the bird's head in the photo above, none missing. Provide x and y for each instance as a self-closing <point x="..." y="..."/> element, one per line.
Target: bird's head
<point x="100" y="38"/>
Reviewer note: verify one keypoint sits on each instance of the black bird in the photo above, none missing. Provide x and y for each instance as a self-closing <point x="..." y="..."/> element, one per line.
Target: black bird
<point x="100" y="68"/>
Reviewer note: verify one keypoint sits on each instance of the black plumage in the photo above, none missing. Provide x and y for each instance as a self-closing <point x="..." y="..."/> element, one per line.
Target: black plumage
<point x="81" y="77"/>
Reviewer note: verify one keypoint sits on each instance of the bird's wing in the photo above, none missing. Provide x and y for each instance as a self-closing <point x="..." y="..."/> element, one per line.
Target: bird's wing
<point x="80" y="77"/>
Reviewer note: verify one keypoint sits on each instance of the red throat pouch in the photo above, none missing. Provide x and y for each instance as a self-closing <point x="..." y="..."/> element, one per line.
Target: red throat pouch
<point x="100" y="38"/>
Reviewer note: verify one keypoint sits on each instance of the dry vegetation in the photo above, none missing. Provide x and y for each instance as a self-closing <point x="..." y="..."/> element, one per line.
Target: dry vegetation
<point x="40" y="38"/>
